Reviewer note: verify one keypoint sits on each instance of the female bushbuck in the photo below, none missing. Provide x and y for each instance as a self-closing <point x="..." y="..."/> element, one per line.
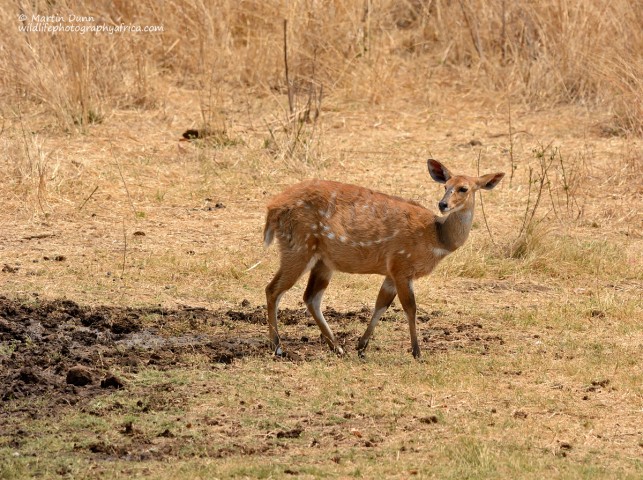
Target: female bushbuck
<point x="324" y="226"/>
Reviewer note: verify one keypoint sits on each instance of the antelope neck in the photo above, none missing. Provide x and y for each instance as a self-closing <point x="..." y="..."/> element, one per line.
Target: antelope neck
<point x="453" y="230"/>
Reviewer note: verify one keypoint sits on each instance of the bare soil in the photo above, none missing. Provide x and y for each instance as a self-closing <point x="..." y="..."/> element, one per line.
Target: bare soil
<point x="61" y="353"/>
<point x="64" y="352"/>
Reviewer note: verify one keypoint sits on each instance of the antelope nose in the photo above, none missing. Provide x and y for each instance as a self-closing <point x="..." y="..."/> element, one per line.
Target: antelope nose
<point x="442" y="206"/>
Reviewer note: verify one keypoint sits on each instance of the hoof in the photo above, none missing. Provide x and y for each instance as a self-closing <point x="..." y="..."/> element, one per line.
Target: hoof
<point x="416" y="353"/>
<point x="339" y="351"/>
<point x="279" y="352"/>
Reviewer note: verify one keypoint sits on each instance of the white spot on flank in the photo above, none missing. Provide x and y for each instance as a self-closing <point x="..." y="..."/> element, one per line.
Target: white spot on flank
<point x="330" y="235"/>
<point x="408" y="255"/>
<point x="314" y="247"/>
<point x="300" y="203"/>
<point x="342" y="238"/>
<point x="401" y="251"/>
<point x="313" y="227"/>
<point x="307" y="236"/>
<point x="326" y="228"/>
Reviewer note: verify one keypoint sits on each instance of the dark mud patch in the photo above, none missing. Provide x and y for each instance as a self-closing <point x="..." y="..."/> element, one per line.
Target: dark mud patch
<point x="65" y="351"/>
<point x="62" y="352"/>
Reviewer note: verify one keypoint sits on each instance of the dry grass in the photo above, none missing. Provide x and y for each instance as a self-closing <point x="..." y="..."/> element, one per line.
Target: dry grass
<point x="94" y="175"/>
<point x="536" y="53"/>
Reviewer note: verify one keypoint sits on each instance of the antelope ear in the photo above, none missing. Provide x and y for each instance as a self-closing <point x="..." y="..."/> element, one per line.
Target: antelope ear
<point x="489" y="181"/>
<point x="438" y="172"/>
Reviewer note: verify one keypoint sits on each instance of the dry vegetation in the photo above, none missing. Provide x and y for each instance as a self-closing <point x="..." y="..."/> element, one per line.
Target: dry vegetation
<point x="533" y="331"/>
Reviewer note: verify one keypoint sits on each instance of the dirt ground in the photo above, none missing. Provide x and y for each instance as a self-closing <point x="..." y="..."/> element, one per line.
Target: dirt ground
<point x="65" y="354"/>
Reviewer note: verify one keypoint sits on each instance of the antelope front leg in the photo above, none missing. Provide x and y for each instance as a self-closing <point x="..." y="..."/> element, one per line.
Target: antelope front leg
<point x="384" y="300"/>
<point x="407" y="299"/>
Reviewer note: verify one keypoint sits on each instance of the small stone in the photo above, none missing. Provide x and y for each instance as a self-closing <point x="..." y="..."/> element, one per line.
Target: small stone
<point x="430" y="419"/>
<point x="27" y="375"/>
<point x="111" y="381"/>
<point x="79" y="376"/>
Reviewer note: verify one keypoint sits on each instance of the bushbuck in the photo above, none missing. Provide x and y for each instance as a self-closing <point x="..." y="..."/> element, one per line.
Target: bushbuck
<point x="323" y="226"/>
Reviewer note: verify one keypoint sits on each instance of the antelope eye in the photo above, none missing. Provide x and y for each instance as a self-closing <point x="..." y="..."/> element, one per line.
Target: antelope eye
<point x="463" y="189"/>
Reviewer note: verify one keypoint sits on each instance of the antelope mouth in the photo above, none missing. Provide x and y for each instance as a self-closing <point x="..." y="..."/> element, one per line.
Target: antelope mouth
<point x="447" y="209"/>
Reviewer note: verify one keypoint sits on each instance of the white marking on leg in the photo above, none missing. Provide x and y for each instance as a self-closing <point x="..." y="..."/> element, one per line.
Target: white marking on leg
<point x="277" y="300"/>
<point x="315" y="305"/>
<point x="268" y="237"/>
<point x="389" y="286"/>
<point x="311" y="263"/>
<point x="377" y="315"/>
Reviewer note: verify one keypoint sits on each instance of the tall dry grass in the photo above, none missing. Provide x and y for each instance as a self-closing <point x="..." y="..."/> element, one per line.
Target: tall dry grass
<point x="556" y="51"/>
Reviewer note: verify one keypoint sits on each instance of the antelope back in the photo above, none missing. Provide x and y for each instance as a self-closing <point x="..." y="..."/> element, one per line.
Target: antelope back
<point x="352" y="229"/>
